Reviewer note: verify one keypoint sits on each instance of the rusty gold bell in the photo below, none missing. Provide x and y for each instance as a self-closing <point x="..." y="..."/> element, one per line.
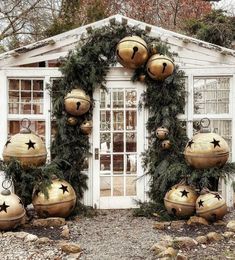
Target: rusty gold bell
<point x="211" y="206"/>
<point x="60" y="203"/>
<point x="166" y="145"/>
<point x="77" y="102"/>
<point x="72" y="120"/>
<point x="159" y="67"/>
<point x="206" y="150"/>
<point x="180" y="200"/>
<point x="27" y="147"/>
<point x="12" y="212"/>
<point x="132" y="52"/>
<point x="86" y="127"/>
<point x="162" y="132"/>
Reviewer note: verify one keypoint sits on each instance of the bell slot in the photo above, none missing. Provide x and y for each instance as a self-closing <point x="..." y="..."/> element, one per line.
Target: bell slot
<point x="135" y="49"/>
<point x="78" y="105"/>
<point x="164" y="66"/>
<point x="174" y="211"/>
<point x="119" y="55"/>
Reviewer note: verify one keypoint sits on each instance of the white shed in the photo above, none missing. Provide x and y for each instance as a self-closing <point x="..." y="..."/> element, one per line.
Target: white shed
<point x="209" y="81"/>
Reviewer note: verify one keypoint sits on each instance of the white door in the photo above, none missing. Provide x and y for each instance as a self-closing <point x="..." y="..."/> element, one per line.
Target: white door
<point x="118" y="141"/>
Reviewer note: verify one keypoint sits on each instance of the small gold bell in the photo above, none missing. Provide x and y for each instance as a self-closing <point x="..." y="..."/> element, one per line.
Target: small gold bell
<point x="162" y="132"/>
<point x="86" y="127"/>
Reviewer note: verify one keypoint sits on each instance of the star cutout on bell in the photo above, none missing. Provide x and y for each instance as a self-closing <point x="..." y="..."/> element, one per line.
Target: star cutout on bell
<point x="30" y="144"/>
<point x="190" y="143"/>
<point x="64" y="188"/>
<point x="184" y="193"/>
<point x="215" y="142"/>
<point x="217" y="196"/>
<point x="8" y="142"/>
<point x="4" y="207"/>
<point x="200" y="203"/>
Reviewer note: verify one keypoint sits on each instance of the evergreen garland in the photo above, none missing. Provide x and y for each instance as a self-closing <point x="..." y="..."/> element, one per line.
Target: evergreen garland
<point x="86" y="68"/>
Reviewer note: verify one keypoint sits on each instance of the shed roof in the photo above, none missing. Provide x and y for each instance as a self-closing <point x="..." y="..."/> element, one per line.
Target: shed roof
<point x="192" y="52"/>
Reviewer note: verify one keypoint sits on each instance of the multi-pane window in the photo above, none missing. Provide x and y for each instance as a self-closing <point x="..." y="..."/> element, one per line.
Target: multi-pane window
<point x="25" y="96"/>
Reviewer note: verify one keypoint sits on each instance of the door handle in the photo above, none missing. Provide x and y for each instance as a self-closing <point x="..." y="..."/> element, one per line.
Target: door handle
<point x="96" y="153"/>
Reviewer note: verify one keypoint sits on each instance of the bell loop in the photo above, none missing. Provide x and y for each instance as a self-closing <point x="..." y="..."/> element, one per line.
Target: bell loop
<point x="6" y="184"/>
<point x="25" y="124"/>
<point x="204" y="125"/>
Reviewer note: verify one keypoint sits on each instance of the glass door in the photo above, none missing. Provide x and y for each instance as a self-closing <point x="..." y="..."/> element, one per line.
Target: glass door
<point x="118" y="144"/>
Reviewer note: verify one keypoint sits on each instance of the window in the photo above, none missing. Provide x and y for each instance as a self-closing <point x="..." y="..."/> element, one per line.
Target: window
<point x="25" y="96"/>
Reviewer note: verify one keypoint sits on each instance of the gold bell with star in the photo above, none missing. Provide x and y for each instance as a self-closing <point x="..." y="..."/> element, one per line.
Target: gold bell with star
<point x="12" y="212"/>
<point x="60" y="202"/>
<point x="211" y="206"/>
<point x="180" y="200"/>
<point x="27" y="147"/>
<point x="132" y="52"/>
<point x="77" y="102"/>
<point x="206" y="149"/>
<point x="159" y="67"/>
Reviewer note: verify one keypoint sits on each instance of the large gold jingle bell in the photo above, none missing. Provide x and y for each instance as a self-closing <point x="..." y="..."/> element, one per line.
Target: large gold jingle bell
<point x="86" y="127"/>
<point x="159" y="67"/>
<point x="27" y="147"/>
<point x="206" y="150"/>
<point x="180" y="200"/>
<point x="211" y="206"/>
<point x="60" y="203"/>
<point x="132" y="52"/>
<point x="77" y="102"/>
<point x="12" y="212"/>
<point x="162" y="132"/>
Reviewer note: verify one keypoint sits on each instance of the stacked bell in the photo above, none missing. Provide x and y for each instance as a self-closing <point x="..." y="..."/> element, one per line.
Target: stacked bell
<point x="60" y="202"/>
<point x="162" y="132"/>
<point x="132" y="52"/>
<point x="180" y="200"/>
<point x="86" y="127"/>
<point x="72" y="121"/>
<point x="76" y="102"/>
<point x="27" y="147"/>
<point x="211" y="206"/>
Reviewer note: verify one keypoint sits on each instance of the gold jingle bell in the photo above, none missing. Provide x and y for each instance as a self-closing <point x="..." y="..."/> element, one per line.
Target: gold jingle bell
<point x="180" y="200"/>
<point x="77" y="102"/>
<point x="206" y="150"/>
<point x="162" y="132"/>
<point x="211" y="206"/>
<point x="132" y="52"/>
<point x="72" y="121"/>
<point x="60" y="203"/>
<point x="166" y="145"/>
<point x="159" y="67"/>
<point x="27" y="147"/>
<point x="86" y="127"/>
<point x="12" y="212"/>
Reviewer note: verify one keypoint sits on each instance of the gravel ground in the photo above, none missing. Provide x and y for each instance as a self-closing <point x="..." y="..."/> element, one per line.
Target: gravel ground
<point x="111" y="235"/>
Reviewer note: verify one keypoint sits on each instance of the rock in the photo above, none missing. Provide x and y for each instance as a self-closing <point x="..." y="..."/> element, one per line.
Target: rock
<point x="194" y="220"/>
<point x="219" y="223"/>
<point x="231" y="225"/>
<point x="169" y="252"/>
<point x="65" y="232"/>
<point x="214" y="237"/>
<point x="184" y="242"/>
<point x="201" y="239"/>
<point x="180" y="256"/>
<point x="21" y="234"/>
<point x="43" y="240"/>
<point x="158" y="248"/>
<point x="203" y="246"/>
<point x="161" y="225"/>
<point x="71" y="248"/>
<point x="49" y="222"/>
<point x="8" y="234"/>
<point x="177" y="224"/>
<point x="73" y="256"/>
<point x="30" y="238"/>
<point x="228" y="234"/>
<point x="166" y="241"/>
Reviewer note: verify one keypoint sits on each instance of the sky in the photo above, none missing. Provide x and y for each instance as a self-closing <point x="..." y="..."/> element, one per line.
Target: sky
<point x="228" y="5"/>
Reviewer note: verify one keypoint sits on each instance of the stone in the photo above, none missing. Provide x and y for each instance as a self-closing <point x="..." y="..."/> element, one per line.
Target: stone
<point x="43" y="240"/>
<point x="219" y="223"/>
<point x="180" y="256"/>
<point x="203" y="246"/>
<point x="21" y="234"/>
<point x="194" y="220"/>
<point x="65" y="232"/>
<point x="73" y="256"/>
<point x="30" y="238"/>
<point x="201" y="239"/>
<point x="8" y="234"/>
<point x="161" y="225"/>
<point x="169" y="252"/>
<point x="184" y="242"/>
<point x="214" y="237"/>
<point x="158" y="248"/>
<point x="166" y="241"/>
<point x="70" y="248"/>
<point x="177" y="224"/>
<point x="228" y="234"/>
<point x="49" y="222"/>
<point x="231" y="225"/>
